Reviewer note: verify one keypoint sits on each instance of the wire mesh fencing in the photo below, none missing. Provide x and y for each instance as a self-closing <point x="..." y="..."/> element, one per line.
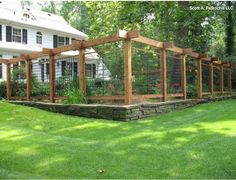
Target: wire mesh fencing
<point x="191" y="77"/>
<point x="104" y="70"/>
<point x="145" y="70"/>
<point x="18" y="79"/>
<point x="40" y="78"/>
<point x="66" y="74"/>
<point x="173" y="65"/>
<point x="225" y="80"/>
<point x="216" y="79"/>
<point x="206" y="77"/>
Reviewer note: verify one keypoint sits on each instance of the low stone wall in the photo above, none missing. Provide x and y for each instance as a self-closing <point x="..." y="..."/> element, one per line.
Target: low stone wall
<point x="119" y="112"/>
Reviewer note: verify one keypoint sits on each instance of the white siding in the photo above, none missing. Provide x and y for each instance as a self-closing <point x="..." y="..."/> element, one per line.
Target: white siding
<point x="47" y="42"/>
<point x="10" y="49"/>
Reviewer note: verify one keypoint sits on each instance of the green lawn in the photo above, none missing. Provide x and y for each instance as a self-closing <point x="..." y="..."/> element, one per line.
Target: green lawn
<point x="197" y="142"/>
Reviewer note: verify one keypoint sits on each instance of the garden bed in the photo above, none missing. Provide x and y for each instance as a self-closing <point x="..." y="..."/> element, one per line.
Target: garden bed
<point x="119" y="112"/>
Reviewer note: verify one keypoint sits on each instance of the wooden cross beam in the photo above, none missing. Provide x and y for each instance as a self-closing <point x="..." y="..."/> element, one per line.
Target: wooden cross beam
<point x="204" y="57"/>
<point x="194" y="55"/>
<point x="187" y="51"/>
<point x="4" y="61"/>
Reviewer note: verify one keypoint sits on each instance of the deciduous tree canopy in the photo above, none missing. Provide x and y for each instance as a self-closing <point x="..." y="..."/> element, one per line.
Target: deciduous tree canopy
<point x="204" y="26"/>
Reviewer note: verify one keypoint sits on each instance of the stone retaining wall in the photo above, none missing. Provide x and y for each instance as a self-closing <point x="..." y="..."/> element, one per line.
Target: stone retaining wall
<point x="119" y="112"/>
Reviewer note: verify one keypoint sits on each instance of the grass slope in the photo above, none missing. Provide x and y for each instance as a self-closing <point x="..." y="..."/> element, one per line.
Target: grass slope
<point x="198" y="142"/>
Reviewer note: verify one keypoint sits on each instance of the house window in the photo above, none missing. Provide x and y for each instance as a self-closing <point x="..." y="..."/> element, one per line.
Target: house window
<point x="90" y="70"/>
<point x="39" y="38"/>
<point x="66" y="68"/>
<point x="26" y="16"/>
<point x="61" y="41"/>
<point x="16" y="35"/>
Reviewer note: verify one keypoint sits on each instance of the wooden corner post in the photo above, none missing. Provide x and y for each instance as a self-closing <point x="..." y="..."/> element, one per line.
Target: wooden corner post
<point x="183" y="76"/>
<point x="230" y="80"/>
<point x="82" y="82"/>
<point x="28" y="78"/>
<point x="163" y="75"/>
<point x="211" y="82"/>
<point x="52" y="77"/>
<point x="127" y="71"/>
<point x="221" y="79"/>
<point x="199" y="78"/>
<point x="8" y="81"/>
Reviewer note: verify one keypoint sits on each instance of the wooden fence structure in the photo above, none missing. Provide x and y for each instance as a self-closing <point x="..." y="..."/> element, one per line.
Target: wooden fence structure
<point x="127" y="38"/>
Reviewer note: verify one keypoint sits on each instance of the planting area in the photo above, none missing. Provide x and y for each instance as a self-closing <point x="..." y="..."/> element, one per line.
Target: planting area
<point x="197" y="142"/>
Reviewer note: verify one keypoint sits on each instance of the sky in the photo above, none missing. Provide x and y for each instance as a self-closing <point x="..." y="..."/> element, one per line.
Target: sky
<point x="35" y="3"/>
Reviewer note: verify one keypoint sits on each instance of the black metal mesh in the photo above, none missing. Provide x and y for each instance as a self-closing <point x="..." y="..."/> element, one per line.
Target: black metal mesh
<point x="66" y="74"/>
<point x="205" y="77"/>
<point x="145" y="69"/>
<point x="40" y="77"/>
<point x="105" y="70"/>
<point x="18" y="79"/>
<point x="226" y="83"/>
<point x="234" y="79"/>
<point x="191" y="77"/>
<point x="216" y="78"/>
<point x="173" y="65"/>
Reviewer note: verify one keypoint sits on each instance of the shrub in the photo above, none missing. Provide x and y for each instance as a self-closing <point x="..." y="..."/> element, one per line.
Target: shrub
<point x="3" y="89"/>
<point x="75" y="96"/>
<point x="192" y="90"/>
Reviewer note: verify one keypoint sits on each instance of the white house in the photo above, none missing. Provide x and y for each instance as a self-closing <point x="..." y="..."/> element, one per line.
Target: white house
<point x="29" y="30"/>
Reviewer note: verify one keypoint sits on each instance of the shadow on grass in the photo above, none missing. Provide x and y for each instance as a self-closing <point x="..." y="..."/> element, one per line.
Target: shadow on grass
<point x="197" y="142"/>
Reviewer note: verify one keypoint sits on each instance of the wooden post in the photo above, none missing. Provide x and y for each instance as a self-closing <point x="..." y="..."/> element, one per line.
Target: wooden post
<point x="230" y="80"/>
<point x="28" y="78"/>
<point x="211" y="78"/>
<point x="199" y="78"/>
<point x="82" y="82"/>
<point x="221" y="79"/>
<point x="128" y="71"/>
<point x="163" y="75"/>
<point x="183" y="76"/>
<point x="52" y="77"/>
<point x="8" y="81"/>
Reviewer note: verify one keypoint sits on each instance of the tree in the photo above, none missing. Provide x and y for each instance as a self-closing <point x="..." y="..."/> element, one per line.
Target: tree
<point x="25" y="4"/>
<point x="229" y="40"/>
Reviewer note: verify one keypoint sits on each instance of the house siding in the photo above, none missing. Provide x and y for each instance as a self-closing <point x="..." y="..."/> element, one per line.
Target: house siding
<point x="47" y="42"/>
<point x="11" y="49"/>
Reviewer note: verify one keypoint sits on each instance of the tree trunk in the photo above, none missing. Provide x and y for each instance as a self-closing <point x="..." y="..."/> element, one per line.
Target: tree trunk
<point x="229" y="41"/>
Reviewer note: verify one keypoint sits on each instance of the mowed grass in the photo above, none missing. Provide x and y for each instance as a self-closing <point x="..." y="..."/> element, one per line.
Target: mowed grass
<point x="198" y="142"/>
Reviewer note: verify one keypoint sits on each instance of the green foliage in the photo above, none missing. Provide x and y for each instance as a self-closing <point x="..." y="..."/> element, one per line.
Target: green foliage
<point x="3" y="89"/>
<point x="194" y="143"/>
<point x="97" y="86"/>
<point x="75" y="96"/>
<point x="191" y="90"/>
<point x="205" y="31"/>
<point x="18" y="81"/>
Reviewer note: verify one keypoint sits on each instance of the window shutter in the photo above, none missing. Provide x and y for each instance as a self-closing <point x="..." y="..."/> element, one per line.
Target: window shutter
<point x="24" y="36"/>
<point x="63" y="68"/>
<point x="0" y="32"/>
<point x="47" y="68"/>
<point x="8" y="33"/>
<point x="94" y="70"/>
<point x="55" y="43"/>
<point x="42" y="72"/>
<point x="75" y="68"/>
<point x="67" y="40"/>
